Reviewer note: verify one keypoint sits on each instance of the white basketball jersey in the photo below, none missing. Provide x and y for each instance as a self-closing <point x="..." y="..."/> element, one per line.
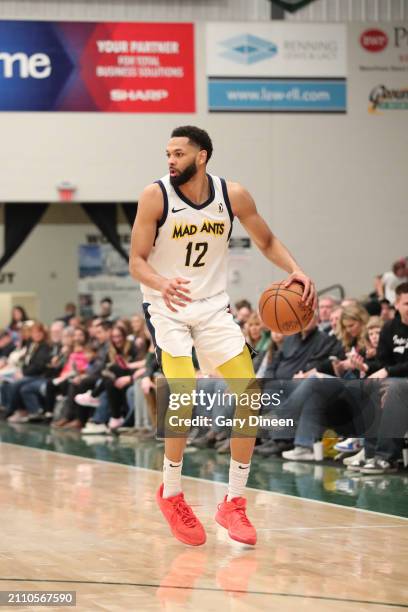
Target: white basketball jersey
<point x="192" y="240"/>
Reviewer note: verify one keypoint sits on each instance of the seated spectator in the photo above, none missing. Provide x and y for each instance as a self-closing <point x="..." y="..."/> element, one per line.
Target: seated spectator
<point x="387" y="312"/>
<point x="367" y="362"/>
<point x="299" y="356"/>
<point x="15" y="359"/>
<point x="35" y="393"/>
<point x="18" y="317"/>
<point x="243" y="311"/>
<point x="70" y="311"/>
<point x="115" y="377"/>
<point x="140" y="336"/>
<point x="351" y="332"/>
<point x="382" y="454"/>
<point x="7" y="346"/>
<point x="327" y="304"/>
<point x="386" y="284"/>
<point x="255" y="333"/>
<point x="34" y="366"/>
<point x="118" y="374"/>
<point x="92" y="325"/>
<point x="80" y="386"/>
<point x="106" y="307"/>
<point x="334" y="321"/>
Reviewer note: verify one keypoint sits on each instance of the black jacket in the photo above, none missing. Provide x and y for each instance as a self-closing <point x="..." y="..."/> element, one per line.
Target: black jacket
<point x="298" y="353"/>
<point x="36" y="359"/>
<point x="392" y="350"/>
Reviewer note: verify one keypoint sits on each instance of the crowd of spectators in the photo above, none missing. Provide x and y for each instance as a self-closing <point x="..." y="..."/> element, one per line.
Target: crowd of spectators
<point x="98" y="376"/>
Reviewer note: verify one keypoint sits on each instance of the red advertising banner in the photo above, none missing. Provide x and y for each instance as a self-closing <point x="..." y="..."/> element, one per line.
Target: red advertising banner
<point x="108" y="67"/>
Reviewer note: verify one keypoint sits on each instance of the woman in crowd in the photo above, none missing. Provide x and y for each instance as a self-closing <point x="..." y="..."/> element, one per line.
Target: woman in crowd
<point x="140" y="335"/>
<point x="119" y="374"/>
<point x="38" y="396"/>
<point x="18" y="317"/>
<point x="34" y="366"/>
<point x="351" y="332"/>
<point x="257" y="336"/>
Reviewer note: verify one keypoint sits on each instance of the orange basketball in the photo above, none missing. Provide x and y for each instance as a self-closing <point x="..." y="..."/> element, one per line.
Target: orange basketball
<point x="282" y="310"/>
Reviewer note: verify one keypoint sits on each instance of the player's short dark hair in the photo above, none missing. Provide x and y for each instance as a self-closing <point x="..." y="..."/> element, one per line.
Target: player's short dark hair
<point x="106" y="299"/>
<point x="196" y="135"/>
<point x="402" y="288"/>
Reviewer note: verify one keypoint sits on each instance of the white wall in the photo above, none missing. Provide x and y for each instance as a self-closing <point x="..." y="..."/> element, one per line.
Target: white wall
<point x="332" y="187"/>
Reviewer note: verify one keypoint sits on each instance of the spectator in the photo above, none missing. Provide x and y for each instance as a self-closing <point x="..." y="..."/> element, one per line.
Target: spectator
<point x="299" y="357"/>
<point x="80" y="387"/>
<point x="242" y="314"/>
<point x="7" y="346"/>
<point x="18" y="317"/>
<point x="34" y="366"/>
<point x="70" y="311"/>
<point x="301" y="353"/>
<point x="34" y="393"/>
<point x="140" y="335"/>
<point x="118" y="374"/>
<point x="382" y="454"/>
<point x="387" y="283"/>
<point x="92" y="328"/>
<point x="334" y="320"/>
<point x="387" y="312"/>
<point x="367" y="362"/>
<point x="327" y="303"/>
<point x="105" y="312"/>
<point x="255" y="334"/>
<point x="351" y="332"/>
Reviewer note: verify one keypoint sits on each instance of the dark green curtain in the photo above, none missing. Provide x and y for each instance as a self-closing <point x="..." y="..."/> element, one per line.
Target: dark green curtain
<point x="130" y="210"/>
<point x="19" y="221"/>
<point x="291" y="5"/>
<point x="105" y="218"/>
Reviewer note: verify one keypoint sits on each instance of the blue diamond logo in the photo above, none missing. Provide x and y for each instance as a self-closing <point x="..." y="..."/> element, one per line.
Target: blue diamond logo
<point x="248" y="49"/>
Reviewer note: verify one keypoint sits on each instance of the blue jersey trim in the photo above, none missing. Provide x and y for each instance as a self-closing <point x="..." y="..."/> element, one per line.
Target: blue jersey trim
<point x="228" y="205"/>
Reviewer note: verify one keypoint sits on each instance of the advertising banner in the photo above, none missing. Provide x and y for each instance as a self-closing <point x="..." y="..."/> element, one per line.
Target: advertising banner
<point x="104" y="273"/>
<point x="379" y="65"/>
<point x="105" y="67"/>
<point x="276" y="67"/>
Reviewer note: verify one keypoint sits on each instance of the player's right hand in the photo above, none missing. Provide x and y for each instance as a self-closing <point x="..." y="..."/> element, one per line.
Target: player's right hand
<point x="174" y="292"/>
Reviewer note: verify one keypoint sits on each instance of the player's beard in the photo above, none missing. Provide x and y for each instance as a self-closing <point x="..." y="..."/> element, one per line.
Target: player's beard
<point x="185" y="176"/>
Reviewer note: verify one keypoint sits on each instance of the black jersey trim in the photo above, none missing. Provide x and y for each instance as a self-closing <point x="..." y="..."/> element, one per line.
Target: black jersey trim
<point x="228" y="204"/>
<point x="198" y="206"/>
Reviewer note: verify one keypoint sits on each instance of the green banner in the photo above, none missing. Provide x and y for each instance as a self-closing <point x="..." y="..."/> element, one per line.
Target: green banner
<point x="292" y="5"/>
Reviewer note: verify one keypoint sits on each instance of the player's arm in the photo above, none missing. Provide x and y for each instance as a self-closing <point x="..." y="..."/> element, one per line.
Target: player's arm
<point x="244" y="208"/>
<point x="149" y="212"/>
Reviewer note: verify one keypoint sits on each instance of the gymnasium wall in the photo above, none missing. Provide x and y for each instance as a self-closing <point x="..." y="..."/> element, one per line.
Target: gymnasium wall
<point x="332" y="187"/>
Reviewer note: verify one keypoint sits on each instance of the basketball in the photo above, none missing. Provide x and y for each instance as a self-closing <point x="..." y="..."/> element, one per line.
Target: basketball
<point x="282" y="310"/>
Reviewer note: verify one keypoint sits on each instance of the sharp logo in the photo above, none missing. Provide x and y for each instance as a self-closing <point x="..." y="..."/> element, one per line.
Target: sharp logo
<point x="23" y="66"/>
<point x="374" y="41"/>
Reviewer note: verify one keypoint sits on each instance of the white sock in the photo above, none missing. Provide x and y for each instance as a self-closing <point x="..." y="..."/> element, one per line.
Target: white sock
<point x="238" y="478"/>
<point x="171" y="477"/>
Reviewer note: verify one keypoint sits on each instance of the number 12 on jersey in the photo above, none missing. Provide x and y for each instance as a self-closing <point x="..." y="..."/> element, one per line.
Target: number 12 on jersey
<point x="201" y="248"/>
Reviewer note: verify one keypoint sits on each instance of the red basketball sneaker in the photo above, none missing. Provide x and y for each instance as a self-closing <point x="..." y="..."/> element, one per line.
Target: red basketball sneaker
<point x="184" y="524"/>
<point x="232" y="516"/>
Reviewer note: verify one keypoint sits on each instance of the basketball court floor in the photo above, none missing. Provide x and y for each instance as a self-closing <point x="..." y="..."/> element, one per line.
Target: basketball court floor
<point x="79" y="515"/>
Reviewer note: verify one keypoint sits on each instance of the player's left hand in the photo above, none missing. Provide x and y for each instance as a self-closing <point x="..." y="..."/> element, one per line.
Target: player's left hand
<point x="309" y="294"/>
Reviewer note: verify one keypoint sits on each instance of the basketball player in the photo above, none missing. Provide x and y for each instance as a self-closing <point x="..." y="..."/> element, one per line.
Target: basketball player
<point x="179" y="254"/>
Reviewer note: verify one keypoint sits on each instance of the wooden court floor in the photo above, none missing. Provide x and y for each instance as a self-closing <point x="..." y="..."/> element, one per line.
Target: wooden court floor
<point x="70" y="523"/>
